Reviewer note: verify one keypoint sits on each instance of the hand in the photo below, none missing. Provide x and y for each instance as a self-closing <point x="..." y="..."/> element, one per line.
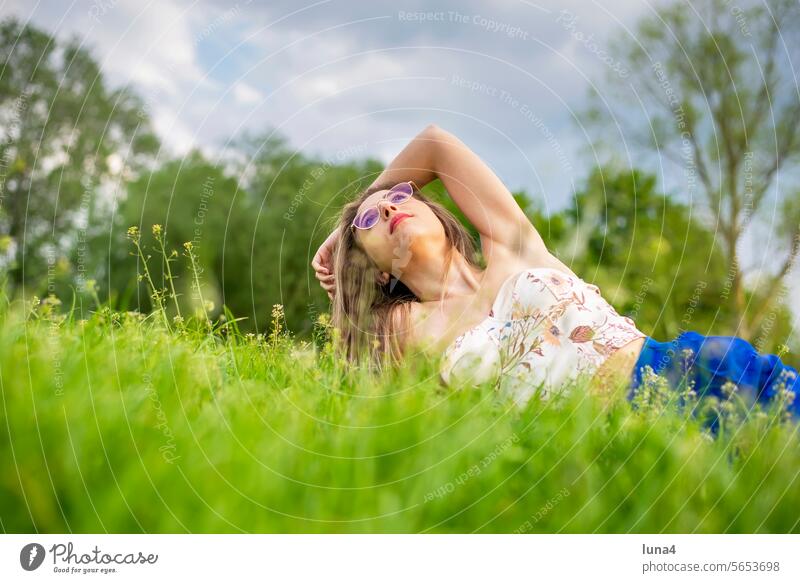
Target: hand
<point x="323" y="263"/>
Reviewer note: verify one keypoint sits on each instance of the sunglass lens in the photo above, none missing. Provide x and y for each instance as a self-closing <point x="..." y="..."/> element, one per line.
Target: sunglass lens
<point x="404" y="187"/>
<point x="367" y="219"/>
<point x="398" y="197"/>
<point x="400" y="193"/>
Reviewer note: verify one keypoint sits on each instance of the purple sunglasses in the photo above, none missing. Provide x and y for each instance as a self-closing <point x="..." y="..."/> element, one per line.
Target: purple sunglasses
<point x="398" y="194"/>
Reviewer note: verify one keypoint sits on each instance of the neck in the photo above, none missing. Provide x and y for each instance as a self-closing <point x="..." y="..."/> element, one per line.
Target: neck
<point x="430" y="278"/>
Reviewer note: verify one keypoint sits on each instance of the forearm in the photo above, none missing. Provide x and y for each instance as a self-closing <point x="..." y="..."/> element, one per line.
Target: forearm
<point x="475" y="189"/>
<point x="417" y="161"/>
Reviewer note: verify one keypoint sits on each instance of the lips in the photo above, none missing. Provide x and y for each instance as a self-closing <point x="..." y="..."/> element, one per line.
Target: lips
<point x="396" y="219"/>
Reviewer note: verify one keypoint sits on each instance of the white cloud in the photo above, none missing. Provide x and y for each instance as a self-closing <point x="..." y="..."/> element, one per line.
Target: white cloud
<point x="305" y="75"/>
<point x="246" y="94"/>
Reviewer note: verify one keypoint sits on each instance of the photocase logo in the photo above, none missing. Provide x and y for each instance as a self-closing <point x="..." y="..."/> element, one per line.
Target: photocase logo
<point x="31" y="556"/>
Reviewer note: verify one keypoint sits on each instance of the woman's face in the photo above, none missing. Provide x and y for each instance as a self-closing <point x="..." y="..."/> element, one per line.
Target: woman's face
<point x="402" y="231"/>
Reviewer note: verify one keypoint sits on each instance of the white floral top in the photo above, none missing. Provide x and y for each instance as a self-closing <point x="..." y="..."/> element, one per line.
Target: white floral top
<point x="545" y="327"/>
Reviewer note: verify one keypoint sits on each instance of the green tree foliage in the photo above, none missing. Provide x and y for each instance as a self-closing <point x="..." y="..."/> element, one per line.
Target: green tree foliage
<point x="652" y="258"/>
<point x="255" y="221"/>
<point x="64" y="134"/>
<point x="711" y="90"/>
<point x="294" y="200"/>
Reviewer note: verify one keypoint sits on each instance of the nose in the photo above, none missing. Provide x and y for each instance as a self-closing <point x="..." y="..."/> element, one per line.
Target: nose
<point x="385" y="206"/>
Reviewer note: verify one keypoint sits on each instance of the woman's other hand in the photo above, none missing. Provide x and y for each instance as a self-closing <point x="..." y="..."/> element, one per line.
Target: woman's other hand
<point x="323" y="263"/>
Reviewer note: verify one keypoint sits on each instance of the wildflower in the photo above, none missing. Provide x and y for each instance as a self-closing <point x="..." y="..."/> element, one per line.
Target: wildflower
<point x="209" y="305"/>
<point x="188" y="246"/>
<point x="788" y="395"/>
<point x="324" y="319"/>
<point x="51" y="300"/>
<point x="654" y="393"/>
<point x="686" y="360"/>
<point x="277" y="317"/>
<point x="729" y="388"/>
<point x="156" y="230"/>
<point x="133" y="233"/>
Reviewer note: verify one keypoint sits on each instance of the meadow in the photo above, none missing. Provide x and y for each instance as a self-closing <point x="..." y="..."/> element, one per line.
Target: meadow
<point x="131" y="422"/>
<point x="138" y="405"/>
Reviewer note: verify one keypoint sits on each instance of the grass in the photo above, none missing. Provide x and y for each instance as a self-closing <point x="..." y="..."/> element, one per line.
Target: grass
<point x="131" y="423"/>
<point x="116" y="424"/>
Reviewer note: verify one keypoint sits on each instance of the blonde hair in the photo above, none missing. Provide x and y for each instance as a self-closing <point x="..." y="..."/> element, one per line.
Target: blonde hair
<point x="367" y="315"/>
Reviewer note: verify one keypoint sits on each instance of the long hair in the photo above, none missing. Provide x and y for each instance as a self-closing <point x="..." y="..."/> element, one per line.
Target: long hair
<point x="368" y="315"/>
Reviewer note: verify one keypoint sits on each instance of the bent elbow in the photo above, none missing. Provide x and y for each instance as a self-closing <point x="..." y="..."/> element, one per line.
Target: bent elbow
<point x="432" y="130"/>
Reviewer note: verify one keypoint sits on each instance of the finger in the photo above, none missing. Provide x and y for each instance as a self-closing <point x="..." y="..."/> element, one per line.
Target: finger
<point x="320" y="267"/>
<point x="324" y="254"/>
<point x="321" y="257"/>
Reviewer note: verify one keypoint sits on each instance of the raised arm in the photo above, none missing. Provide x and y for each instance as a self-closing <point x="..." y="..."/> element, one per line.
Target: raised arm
<point x="476" y="190"/>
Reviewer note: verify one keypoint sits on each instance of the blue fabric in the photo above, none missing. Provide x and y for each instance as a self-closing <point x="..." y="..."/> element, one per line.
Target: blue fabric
<point x="710" y="361"/>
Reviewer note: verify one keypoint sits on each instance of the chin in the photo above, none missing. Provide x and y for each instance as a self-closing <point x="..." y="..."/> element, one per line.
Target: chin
<point x="416" y="238"/>
<point x="426" y="244"/>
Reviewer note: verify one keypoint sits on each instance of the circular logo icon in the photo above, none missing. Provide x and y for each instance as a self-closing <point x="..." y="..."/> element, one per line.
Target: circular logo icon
<point x="31" y="556"/>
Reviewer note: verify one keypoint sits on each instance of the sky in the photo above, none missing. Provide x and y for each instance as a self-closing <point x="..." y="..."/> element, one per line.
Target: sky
<point x="345" y="78"/>
<point x="341" y="79"/>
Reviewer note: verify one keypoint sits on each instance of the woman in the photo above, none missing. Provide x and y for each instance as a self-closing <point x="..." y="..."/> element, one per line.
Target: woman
<point x="403" y="276"/>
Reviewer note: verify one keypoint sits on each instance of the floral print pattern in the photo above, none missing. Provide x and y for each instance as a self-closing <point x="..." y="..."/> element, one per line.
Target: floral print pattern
<point x="545" y="327"/>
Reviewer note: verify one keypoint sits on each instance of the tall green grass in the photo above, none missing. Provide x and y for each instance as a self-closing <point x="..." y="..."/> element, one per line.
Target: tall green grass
<point x="132" y="423"/>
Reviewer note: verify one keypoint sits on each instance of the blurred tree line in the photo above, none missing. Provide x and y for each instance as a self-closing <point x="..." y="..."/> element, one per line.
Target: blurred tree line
<point x="711" y="93"/>
<point x="80" y="164"/>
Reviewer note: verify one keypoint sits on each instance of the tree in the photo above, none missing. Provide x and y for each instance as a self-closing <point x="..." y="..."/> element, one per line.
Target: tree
<point x="652" y="259"/>
<point x="718" y="99"/>
<point x="65" y="135"/>
<point x="255" y="219"/>
<point x="293" y="201"/>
